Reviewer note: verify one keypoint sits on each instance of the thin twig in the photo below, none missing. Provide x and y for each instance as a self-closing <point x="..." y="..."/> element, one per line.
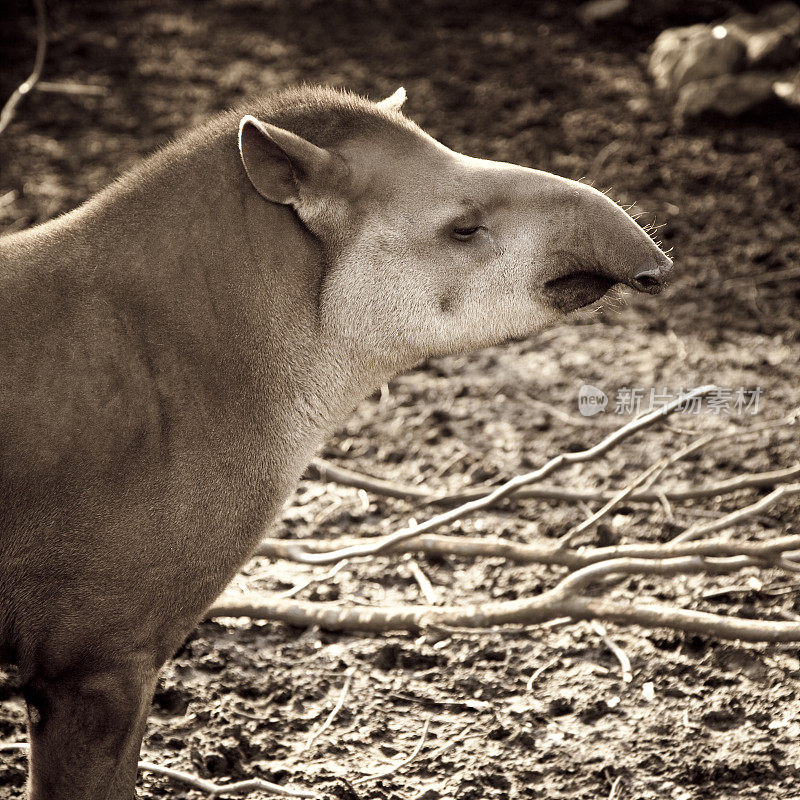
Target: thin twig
<point x="382" y="543"/>
<point x="602" y="156"/>
<point x="72" y="88"/>
<point x="557" y="493"/>
<point x="218" y="790"/>
<point x="539" y="671"/>
<point x="570" y="419"/>
<point x="325" y="471"/>
<point x="735" y="517"/>
<point x="345" y="477"/>
<point x="201" y="784"/>
<point x="299" y="587"/>
<point x="614" y="794"/>
<point x="616" y="650"/>
<point x="652" y="471"/>
<point x="425" y="586"/>
<point x="336" y="709"/>
<point x="7" y="199"/>
<point x="394" y="768"/>
<point x="665" y="504"/>
<point x="7" y="113"/>
<point x="765" y="277"/>
<point x="449" y="745"/>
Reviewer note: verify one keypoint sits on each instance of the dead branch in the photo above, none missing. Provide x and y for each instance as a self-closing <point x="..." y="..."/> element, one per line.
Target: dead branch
<point x="425" y="586"/>
<point x="647" y="476"/>
<point x="299" y="587"/>
<point x="7" y="113"/>
<point x="416" y="618"/>
<point x="755" y="481"/>
<point x="537" y="673"/>
<point x="345" y="477"/>
<point x="563" y="600"/>
<point x="616" y="437"/>
<point x="614" y="794"/>
<point x="551" y="553"/>
<point x="72" y="88"/>
<point x="459" y="737"/>
<point x="325" y="471"/>
<point x="218" y="790"/>
<point x="201" y="784"/>
<point x="527" y="554"/>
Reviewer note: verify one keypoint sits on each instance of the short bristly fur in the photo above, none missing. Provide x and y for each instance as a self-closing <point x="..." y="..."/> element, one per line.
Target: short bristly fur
<point x="174" y="350"/>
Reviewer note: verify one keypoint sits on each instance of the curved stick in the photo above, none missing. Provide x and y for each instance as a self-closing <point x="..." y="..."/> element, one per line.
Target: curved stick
<point x="382" y="543"/>
<point x="560" y="601"/>
<point x="7" y="114"/>
<point x="551" y="554"/>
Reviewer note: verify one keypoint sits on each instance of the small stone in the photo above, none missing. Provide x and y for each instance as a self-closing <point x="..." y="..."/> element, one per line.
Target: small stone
<point x="680" y="56"/>
<point x="727" y="96"/>
<point x="788" y="90"/>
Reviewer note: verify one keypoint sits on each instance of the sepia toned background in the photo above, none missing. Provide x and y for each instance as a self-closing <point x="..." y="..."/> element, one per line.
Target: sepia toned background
<point x="521" y="713"/>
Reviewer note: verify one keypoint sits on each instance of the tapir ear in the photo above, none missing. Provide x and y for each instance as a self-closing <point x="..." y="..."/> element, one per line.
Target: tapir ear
<point x="278" y="162"/>
<point x="394" y="102"/>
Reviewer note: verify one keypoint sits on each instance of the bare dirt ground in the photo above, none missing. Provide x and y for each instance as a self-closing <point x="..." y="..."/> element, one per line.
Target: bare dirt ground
<point x="514" y="714"/>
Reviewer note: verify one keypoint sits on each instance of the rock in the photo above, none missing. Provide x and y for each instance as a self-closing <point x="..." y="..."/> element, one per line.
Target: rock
<point x="771" y="38"/>
<point x="787" y="89"/>
<point x="680" y="56"/>
<point x="601" y="10"/>
<point x="725" y="95"/>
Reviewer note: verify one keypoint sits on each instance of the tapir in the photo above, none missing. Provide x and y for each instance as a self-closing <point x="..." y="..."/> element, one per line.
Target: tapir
<point x="173" y="351"/>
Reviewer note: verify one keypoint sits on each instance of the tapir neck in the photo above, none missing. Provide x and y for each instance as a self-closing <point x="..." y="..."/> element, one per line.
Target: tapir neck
<point x="217" y="291"/>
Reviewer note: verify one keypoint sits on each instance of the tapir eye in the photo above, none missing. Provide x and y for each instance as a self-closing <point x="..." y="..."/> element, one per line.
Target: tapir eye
<point x="465" y="232"/>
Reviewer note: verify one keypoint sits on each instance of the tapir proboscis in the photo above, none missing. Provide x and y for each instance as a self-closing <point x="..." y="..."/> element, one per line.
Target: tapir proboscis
<point x="173" y="351"/>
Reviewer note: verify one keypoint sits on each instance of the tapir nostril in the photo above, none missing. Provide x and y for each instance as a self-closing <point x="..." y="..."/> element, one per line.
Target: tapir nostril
<point x="651" y="279"/>
<point x="648" y="282"/>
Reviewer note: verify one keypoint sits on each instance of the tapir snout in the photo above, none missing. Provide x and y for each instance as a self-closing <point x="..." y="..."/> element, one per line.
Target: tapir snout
<point x="632" y="257"/>
<point x="595" y="245"/>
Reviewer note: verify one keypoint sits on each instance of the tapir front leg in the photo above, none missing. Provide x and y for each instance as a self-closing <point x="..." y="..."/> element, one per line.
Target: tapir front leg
<point x="85" y="733"/>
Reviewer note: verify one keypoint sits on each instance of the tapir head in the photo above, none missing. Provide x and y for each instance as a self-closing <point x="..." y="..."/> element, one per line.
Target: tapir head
<point x="430" y="251"/>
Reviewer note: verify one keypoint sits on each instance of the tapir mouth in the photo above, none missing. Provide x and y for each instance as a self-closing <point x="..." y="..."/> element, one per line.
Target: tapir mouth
<point x="577" y="289"/>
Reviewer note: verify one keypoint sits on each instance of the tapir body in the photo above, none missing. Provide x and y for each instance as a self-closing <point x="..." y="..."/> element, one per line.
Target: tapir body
<point x="173" y="352"/>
